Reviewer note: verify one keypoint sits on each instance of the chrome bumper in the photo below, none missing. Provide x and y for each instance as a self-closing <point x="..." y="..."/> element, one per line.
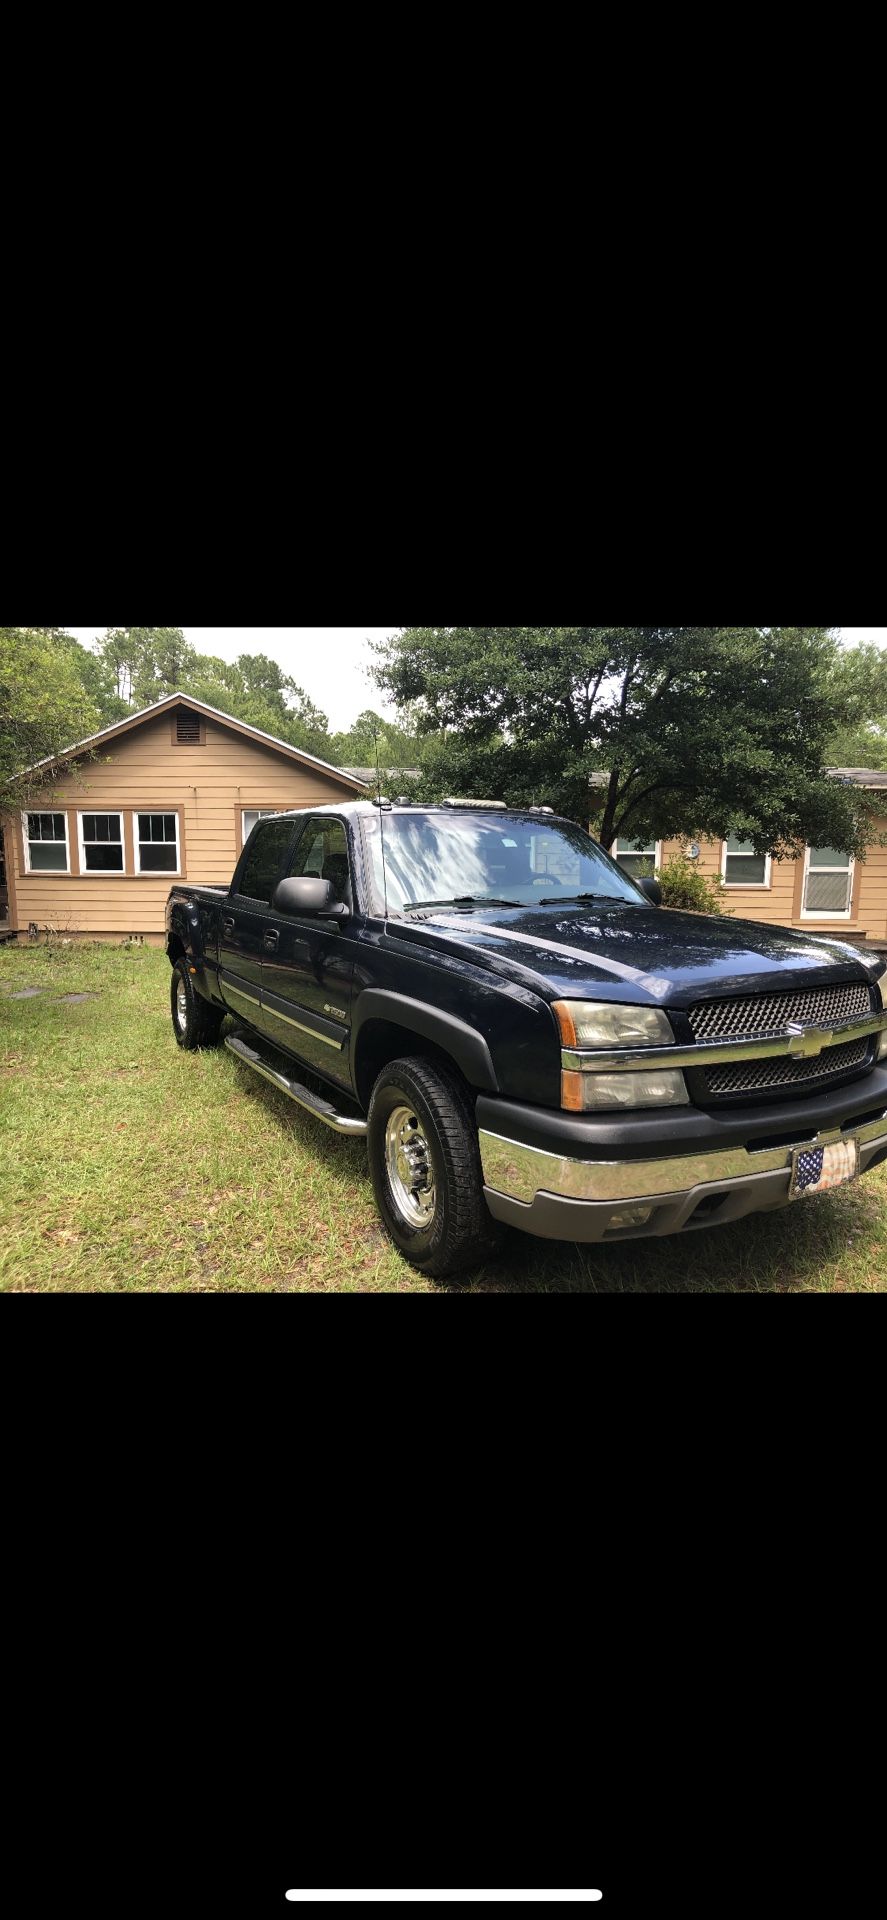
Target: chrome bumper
<point x="557" y="1197"/>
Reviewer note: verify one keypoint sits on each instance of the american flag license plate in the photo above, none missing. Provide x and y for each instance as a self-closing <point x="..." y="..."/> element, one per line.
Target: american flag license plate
<point x="817" y="1169"/>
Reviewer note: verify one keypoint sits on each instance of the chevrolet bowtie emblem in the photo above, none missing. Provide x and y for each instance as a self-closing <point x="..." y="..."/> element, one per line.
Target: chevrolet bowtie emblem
<point x="806" y="1042"/>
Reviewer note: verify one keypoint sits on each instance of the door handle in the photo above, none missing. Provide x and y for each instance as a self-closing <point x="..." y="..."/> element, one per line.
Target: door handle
<point x="227" y="926"/>
<point x="271" y="939"/>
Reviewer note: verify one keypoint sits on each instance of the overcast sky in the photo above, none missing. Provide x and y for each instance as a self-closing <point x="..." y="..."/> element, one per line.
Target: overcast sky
<point x="331" y="663"/>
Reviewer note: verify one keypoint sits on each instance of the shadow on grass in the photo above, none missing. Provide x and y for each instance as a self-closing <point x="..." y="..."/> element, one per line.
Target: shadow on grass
<point x="831" y="1244"/>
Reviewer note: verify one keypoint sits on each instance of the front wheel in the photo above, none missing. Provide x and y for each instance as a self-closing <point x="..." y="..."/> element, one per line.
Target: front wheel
<point x="425" y="1168"/>
<point x="195" y="1022"/>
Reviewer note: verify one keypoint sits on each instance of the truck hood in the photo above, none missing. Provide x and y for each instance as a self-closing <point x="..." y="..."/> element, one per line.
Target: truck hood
<point x="635" y="954"/>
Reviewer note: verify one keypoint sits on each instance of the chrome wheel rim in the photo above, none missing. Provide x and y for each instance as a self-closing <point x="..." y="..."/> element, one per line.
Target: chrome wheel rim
<point x="181" y="1006"/>
<point x="410" y="1168"/>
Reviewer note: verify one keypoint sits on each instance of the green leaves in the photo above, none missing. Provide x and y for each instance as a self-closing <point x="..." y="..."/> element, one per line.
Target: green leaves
<point x="649" y="731"/>
<point x="44" y="706"/>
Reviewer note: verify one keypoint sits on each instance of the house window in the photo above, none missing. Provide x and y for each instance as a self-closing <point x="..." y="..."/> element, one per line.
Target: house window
<point x="742" y="867"/>
<point x="156" y="842"/>
<point x="248" y="820"/>
<point x="46" y="842"/>
<point x="638" y="857"/>
<point x="101" y="842"/>
<point x="828" y="882"/>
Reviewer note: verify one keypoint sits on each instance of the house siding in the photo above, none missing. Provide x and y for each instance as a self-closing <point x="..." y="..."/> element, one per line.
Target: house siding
<point x="779" y="903"/>
<point x="144" y="771"/>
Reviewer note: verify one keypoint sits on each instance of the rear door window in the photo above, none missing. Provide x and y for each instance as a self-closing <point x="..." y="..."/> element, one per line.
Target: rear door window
<point x="263" y="864"/>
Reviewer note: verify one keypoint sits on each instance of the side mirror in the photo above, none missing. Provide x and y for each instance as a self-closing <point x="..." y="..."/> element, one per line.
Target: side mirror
<point x="309" y="896"/>
<point x="652" y="889"/>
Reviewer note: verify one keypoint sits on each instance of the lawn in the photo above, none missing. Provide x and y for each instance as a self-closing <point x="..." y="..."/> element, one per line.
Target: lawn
<point x="129" y="1166"/>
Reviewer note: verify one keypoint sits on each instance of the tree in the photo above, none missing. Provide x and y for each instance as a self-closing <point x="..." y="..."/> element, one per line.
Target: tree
<point x="44" y="707"/>
<point x="862" y="742"/>
<point x="145" y="663"/>
<point x="689" y="729"/>
<point x="371" y="735"/>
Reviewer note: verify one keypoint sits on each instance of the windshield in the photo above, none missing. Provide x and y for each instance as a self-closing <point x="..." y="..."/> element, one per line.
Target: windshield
<point x="475" y="859"/>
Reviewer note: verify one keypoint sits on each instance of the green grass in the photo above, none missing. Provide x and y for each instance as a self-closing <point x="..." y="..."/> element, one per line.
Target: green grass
<point x="129" y="1166"/>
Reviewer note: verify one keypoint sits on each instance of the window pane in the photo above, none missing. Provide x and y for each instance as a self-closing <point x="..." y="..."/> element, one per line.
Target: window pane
<point x="103" y="857"/>
<point x="746" y="869"/>
<point x="637" y="864"/>
<point x="47" y="858"/>
<point x="828" y="892"/>
<point x="154" y="857"/>
<point x="629" y="847"/>
<point x="738" y="846"/>
<point x="265" y="859"/>
<point x="46" y="826"/>
<point x="101" y="826"/>
<point x="322" y="852"/>
<point x="828" y="857"/>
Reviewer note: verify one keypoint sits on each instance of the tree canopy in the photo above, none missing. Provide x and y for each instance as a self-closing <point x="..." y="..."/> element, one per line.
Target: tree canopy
<point x="645" y="731"/>
<point x="44" y="707"/>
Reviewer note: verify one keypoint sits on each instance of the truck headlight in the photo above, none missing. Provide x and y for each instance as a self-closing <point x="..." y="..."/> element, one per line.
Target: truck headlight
<point x="881" y="985"/>
<point x="600" y="1026"/>
<point x="655" y="1087"/>
<point x="595" y="1023"/>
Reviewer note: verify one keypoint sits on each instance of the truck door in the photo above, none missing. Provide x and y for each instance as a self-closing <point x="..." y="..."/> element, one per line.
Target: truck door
<point x="307" y="965"/>
<point x="244" y="917"/>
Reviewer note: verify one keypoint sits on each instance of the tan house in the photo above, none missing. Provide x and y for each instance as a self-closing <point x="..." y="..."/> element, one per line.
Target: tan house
<point x="823" y="892"/>
<point x="169" y="793"/>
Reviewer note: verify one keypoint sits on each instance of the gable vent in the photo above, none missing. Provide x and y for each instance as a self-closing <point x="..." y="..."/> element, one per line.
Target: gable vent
<point x="187" y="730"/>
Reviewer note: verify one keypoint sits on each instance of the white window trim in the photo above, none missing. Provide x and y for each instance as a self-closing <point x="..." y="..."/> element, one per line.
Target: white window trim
<point x="745" y="886"/>
<point x="164" y="873"/>
<point x="96" y="873"/>
<point x="657" y="854"/>
<point x="261" y="811"/>
<point x="827" y="913"/>
<point x="46" y="873"/>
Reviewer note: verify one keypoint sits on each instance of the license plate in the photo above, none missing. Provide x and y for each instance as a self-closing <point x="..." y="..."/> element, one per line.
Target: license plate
<point x="818" y="1169"/>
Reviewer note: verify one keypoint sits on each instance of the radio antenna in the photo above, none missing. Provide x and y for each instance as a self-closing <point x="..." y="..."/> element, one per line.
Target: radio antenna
<point x="381" y="824"/>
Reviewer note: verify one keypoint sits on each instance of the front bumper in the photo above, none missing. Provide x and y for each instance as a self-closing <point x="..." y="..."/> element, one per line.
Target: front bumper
<point x="558" y="1197"/>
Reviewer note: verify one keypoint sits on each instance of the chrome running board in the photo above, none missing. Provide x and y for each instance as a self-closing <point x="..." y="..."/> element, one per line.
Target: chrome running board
<point x="303" y="1097"/>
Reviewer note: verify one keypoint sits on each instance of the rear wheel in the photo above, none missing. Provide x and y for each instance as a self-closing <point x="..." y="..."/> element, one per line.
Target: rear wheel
<point x="195" y="1022"/>
<point x="425" y="1168"/>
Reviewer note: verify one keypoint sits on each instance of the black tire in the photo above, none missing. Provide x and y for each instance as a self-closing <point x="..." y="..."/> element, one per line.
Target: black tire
<point x="461" y="1232"/>
<point x="194" y="1022"/>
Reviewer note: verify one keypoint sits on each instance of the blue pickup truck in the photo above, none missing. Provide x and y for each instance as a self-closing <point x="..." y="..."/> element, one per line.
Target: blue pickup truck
<point x="523" y="1034"/>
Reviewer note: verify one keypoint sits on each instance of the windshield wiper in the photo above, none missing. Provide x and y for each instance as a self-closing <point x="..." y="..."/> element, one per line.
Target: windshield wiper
<point x="559" y="899"/>
<point x="459" y="900"/>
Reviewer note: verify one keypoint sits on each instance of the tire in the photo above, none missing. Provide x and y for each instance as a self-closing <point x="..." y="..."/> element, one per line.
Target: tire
<point x="194" y="1022"/>
<point x="425" y="1168"/>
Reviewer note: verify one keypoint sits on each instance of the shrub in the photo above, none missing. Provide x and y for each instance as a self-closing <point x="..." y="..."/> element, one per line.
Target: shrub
<point x="684" y="886"/>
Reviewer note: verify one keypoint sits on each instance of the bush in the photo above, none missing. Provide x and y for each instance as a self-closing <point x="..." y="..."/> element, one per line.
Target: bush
<point x="684" y="886"/>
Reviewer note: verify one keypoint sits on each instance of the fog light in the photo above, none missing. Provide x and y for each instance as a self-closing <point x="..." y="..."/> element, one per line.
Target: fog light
<point x="882" y="1044"/>
<point x="629" y="1217"/>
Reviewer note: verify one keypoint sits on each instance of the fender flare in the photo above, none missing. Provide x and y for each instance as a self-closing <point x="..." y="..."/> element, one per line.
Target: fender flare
<point x="463" y="1043"/>
<point x="184" y="925"/>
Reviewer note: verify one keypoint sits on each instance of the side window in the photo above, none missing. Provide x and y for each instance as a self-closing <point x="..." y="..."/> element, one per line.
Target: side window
<point x="264" y="859"/>
<point x="322" y="852"/>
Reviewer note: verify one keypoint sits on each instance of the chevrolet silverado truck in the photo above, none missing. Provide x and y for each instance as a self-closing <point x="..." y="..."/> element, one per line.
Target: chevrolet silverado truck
<point x="523" y="1034"/>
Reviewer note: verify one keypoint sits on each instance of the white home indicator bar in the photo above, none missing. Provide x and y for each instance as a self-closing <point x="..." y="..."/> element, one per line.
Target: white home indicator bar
<point x="558" y="1893"/>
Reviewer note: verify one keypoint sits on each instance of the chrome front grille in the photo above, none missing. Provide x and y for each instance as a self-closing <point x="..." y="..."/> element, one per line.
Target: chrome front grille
<point x="758" y="1014"/>
<point x="759" y="1075"/>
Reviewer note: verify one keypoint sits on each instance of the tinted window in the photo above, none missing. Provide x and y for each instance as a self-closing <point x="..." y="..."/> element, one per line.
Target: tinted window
<point x="322" y="852"/>
<point x="264" y="859"/>
<point x="487" y="856"/>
